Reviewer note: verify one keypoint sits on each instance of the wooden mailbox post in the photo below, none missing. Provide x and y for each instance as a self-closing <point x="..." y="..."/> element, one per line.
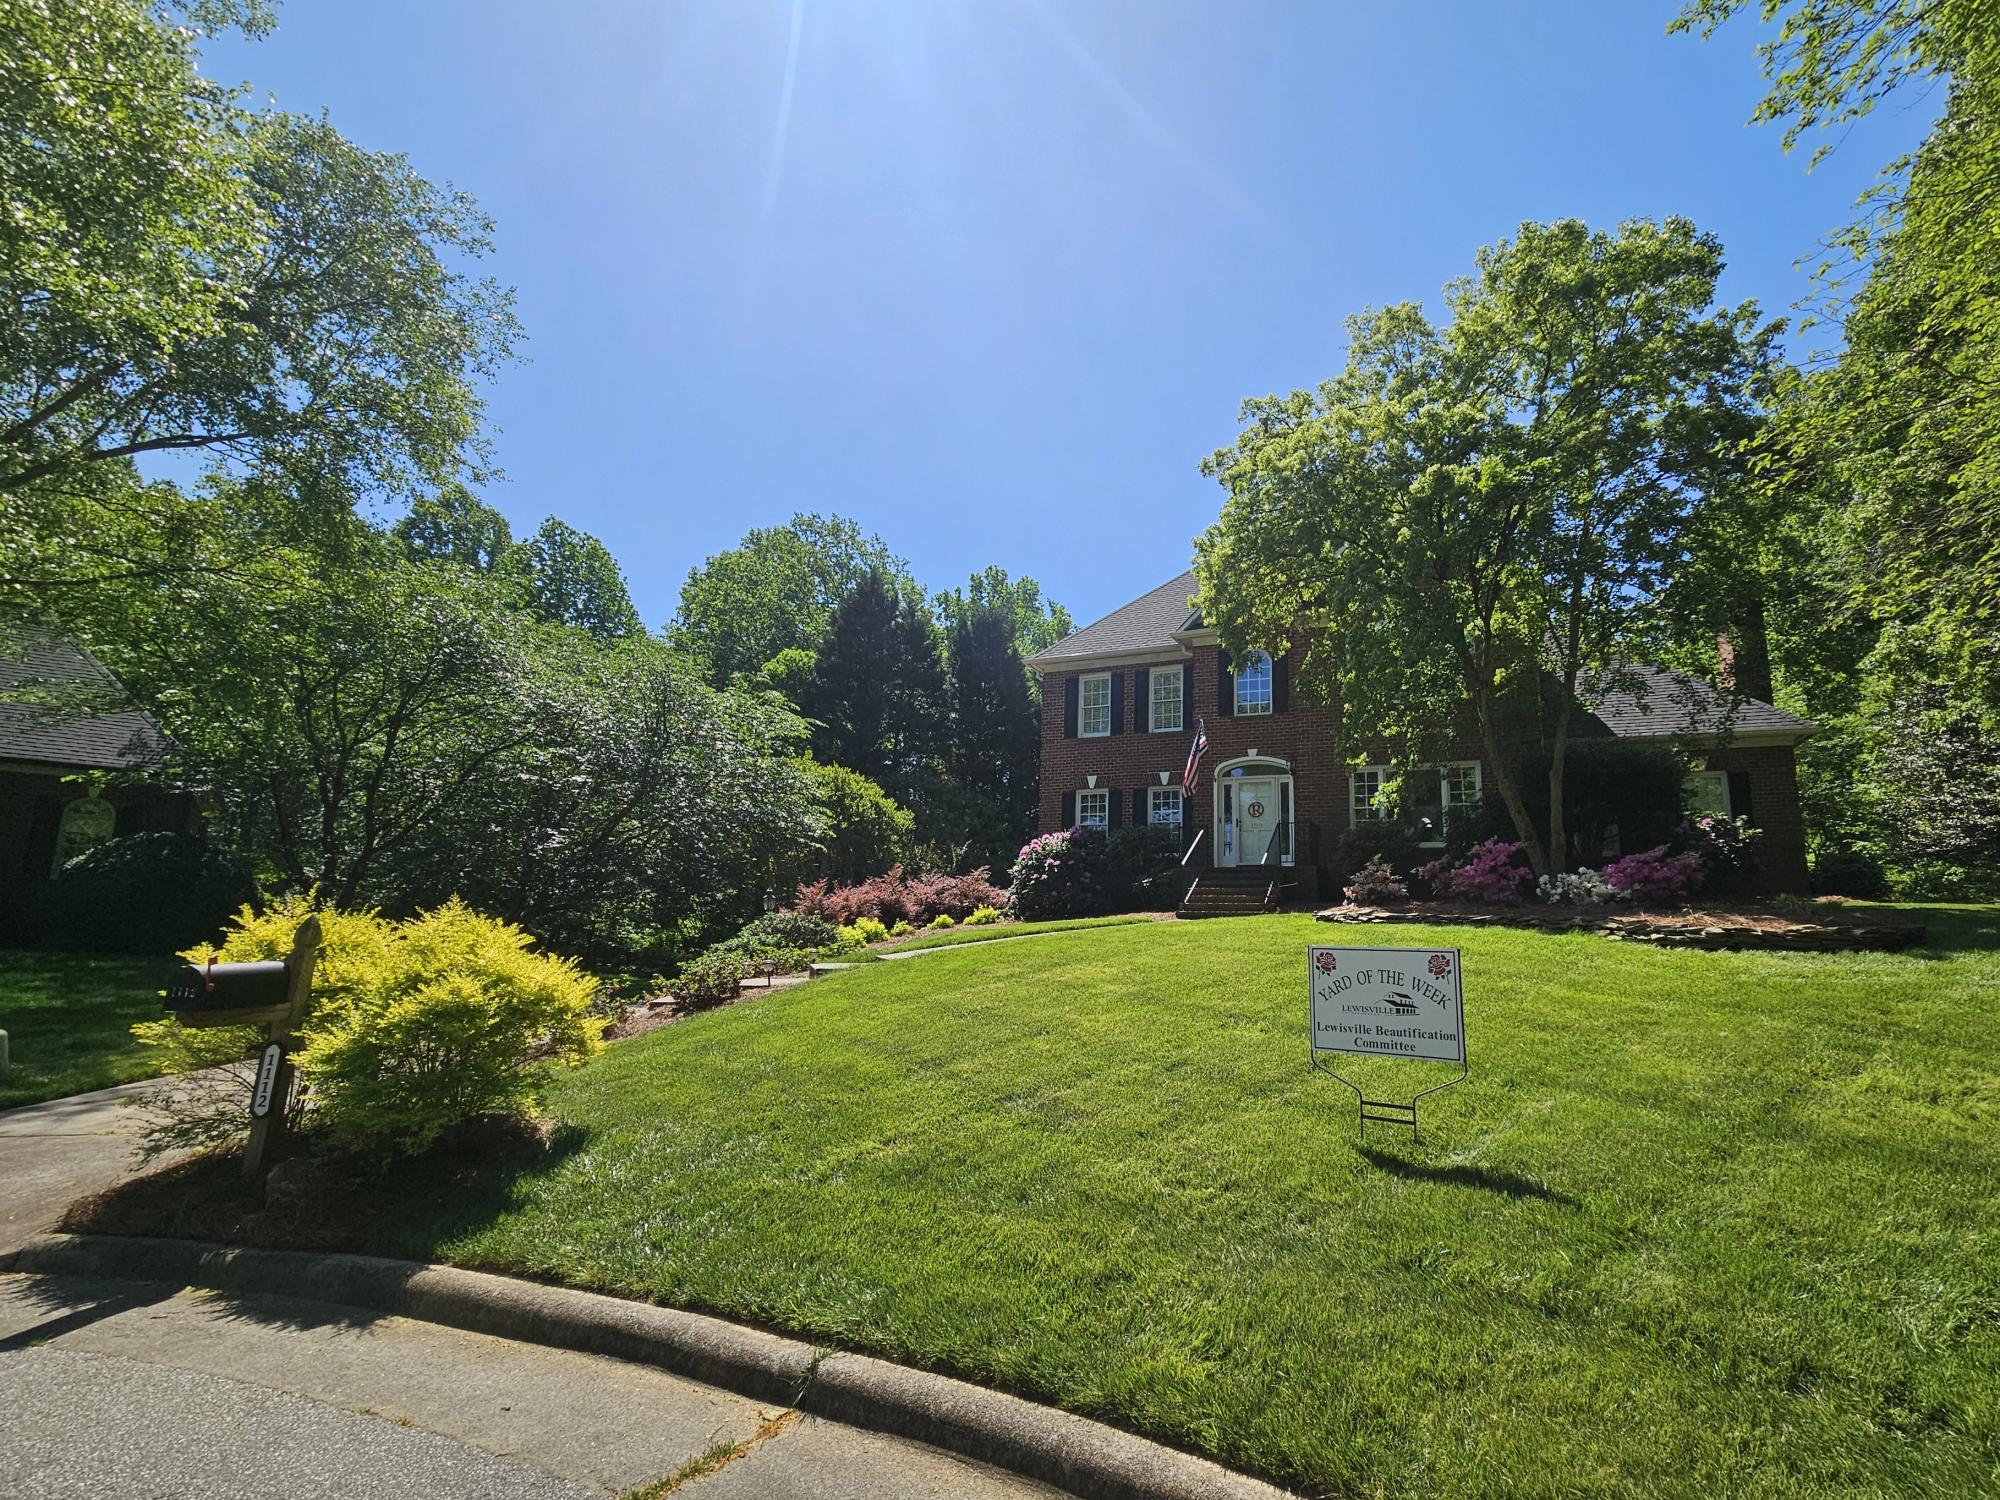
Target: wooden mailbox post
<point x="276" y="997"/>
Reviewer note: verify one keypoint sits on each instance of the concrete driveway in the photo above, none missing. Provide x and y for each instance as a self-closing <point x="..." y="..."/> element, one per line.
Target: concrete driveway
<point x="52" y="1154"/>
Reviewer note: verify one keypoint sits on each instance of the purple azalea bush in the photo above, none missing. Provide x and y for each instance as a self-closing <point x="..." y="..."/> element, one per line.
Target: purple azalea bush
<point x="1492" y="872"/>
<point x="1655" y="876"/>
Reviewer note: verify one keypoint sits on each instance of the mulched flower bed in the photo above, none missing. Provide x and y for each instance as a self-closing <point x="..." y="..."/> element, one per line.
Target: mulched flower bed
<point x="651" y="1015"/>
<point x="1829" y="929"/>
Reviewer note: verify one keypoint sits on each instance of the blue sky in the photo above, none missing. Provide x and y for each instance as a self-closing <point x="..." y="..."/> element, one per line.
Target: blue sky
<point x="992" y="276"/>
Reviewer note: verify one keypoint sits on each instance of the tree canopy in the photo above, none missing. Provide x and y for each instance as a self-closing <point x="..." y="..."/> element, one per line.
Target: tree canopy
<point x="1471" y="510"/>
<point x="776" y="590"/>
<point x="184" y="275"/>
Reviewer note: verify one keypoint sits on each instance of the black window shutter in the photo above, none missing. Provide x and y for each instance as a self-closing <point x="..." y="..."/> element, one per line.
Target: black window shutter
<point x="1281" y="685"/>
<point x="1225" y="686"/>
<point x="1069" y="707"/>
<point x="1739" y="795"/>
<point x="1117" y="702"/>
<point x="1113" y="806"/>
<point x="1187" y="694"/>
<point x="1142" y="700"/>
<point x="1069" y="804"/>
<point x="1141" y="813"/>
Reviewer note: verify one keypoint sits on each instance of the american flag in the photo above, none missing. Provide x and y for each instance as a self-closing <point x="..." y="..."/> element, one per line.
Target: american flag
<point x="1195" y="753"/>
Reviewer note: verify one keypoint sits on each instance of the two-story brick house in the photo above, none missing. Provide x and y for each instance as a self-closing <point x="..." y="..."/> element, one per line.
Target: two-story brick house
<point x="1123" y="697"/>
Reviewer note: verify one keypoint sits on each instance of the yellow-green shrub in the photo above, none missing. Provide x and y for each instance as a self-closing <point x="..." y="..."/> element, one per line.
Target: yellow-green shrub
<point x="443" y="1028"/>
<point x="943" y="919"/>
<point x="862" y="931"/>
<point x="985" y="916"/>
<point x="418" y="1025"/>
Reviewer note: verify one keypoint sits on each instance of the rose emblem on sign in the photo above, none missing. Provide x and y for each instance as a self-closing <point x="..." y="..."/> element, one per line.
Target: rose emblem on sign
<point x="1255" y="809"/>
<point x="1440" y="966"/>
<point x="1324" y="963"/>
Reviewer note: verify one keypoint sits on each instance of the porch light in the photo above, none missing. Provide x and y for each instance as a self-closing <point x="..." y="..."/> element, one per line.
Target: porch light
<point x="770" y="902"/>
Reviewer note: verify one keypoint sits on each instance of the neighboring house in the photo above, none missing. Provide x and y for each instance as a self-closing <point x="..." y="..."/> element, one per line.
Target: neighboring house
<point x="62" y="716"/>
<point x="1123" y="697"/>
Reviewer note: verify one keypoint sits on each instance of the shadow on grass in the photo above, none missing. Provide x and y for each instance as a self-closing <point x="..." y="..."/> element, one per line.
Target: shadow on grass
<point x="1486" y="1179"/>
<point x="322" y="1200"/>
<point x="1952" y="929"/>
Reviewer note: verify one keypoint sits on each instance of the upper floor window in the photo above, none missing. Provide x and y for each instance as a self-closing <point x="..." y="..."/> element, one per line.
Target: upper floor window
<point x="1093" y="706"/>
<point x="1163" y="805"/>
<point x="1367" y="802"/>
<point x="1253" y="685"/>
<point x="1093" y="809"/>
<point x="1166" y="693"/>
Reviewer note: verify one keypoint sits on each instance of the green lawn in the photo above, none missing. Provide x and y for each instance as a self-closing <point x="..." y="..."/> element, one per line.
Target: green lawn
<point x="68" y="1017"/>
<point x="1699" y="1224"/>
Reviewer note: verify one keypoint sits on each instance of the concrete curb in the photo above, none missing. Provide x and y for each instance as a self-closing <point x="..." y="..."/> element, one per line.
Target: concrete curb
<point x="1073" y="1453"/>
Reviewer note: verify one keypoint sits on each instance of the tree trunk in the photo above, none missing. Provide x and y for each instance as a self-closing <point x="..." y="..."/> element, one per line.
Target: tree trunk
<point x="1483" y="694"/>
<point x="1558" y="824"/>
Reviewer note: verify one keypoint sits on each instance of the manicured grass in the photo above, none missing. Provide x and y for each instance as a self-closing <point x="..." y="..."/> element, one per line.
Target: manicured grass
<point x="68" y="1017"/>
<point x="947" y="937"/>
<point x="1699" y="1224"/>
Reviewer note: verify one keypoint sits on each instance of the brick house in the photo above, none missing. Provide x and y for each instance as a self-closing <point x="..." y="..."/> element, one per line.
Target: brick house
<point x="1123" y="697"/>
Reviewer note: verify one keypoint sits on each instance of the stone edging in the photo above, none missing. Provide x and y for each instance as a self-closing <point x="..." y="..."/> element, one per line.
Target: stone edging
<point x="1073" y="1453"/>
<point x="1803" y="937"/>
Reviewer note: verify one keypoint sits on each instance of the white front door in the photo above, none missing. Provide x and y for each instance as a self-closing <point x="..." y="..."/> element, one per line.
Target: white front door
<point x="1256" y="799"/>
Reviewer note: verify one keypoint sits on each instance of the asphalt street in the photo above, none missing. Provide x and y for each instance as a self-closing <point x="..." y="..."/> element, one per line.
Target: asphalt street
<point x="139" y="1391"/>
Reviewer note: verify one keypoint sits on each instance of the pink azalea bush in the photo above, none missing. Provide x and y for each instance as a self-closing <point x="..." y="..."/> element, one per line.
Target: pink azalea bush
<point x="1655" y="876"/>
<point x="1492" y="872"/>
<point x="1375" y="883"/>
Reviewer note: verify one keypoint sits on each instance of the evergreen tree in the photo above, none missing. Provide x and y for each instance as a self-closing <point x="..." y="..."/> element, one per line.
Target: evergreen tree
<point x="877" y="691"/>
<point x="993" y="752"/>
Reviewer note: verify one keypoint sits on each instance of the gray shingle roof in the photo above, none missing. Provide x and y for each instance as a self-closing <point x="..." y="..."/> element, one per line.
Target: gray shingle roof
<point x="1148" y="623"/>
<point x="48" y="685"/>
<point x="1645" y="702"/>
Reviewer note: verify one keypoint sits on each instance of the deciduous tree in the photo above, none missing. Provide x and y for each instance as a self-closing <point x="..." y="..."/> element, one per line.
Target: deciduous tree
<point x="777" y="590"/>
<point x="1475" y="509"/>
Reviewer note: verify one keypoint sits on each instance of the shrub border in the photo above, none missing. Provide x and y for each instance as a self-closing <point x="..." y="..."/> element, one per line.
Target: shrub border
<point x="1802" y="937"/>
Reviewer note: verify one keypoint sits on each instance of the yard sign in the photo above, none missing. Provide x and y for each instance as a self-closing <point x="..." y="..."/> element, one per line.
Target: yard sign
<point x="1387" y="1002"/>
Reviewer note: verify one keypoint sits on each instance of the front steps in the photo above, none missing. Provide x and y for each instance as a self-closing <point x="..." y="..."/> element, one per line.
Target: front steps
<point x="1247" y="892"/>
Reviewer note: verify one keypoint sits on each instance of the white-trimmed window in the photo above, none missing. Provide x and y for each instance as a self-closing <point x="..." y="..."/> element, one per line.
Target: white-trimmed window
<point x="1708" y="793"/>
<point x="1366" y="800"/>
<point x="1163" y="806"/>
<point x="1093" y="706"/>
<point x="1164" y="686"/>
<point x="1093" y="809"/>
<point x="1459" y="785"/>
<point x="1253" y="685"/>
<point x="86" y="823"/>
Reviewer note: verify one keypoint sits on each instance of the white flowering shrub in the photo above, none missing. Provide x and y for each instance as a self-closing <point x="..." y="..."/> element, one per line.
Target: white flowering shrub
<point x="1583" y="888"/>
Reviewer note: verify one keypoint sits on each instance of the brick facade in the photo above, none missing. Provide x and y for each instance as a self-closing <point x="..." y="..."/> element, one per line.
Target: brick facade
<point x="1763" y="778"/>
<point x="1131" y="758"/>
<point x="1764" y="787"/>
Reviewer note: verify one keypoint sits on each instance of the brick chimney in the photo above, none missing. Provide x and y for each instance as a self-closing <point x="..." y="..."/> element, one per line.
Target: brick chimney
<point x="1743" y="654"/>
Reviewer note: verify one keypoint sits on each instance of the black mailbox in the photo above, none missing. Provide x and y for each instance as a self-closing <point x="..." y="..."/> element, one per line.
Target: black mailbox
<point x="240" y="991"/>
